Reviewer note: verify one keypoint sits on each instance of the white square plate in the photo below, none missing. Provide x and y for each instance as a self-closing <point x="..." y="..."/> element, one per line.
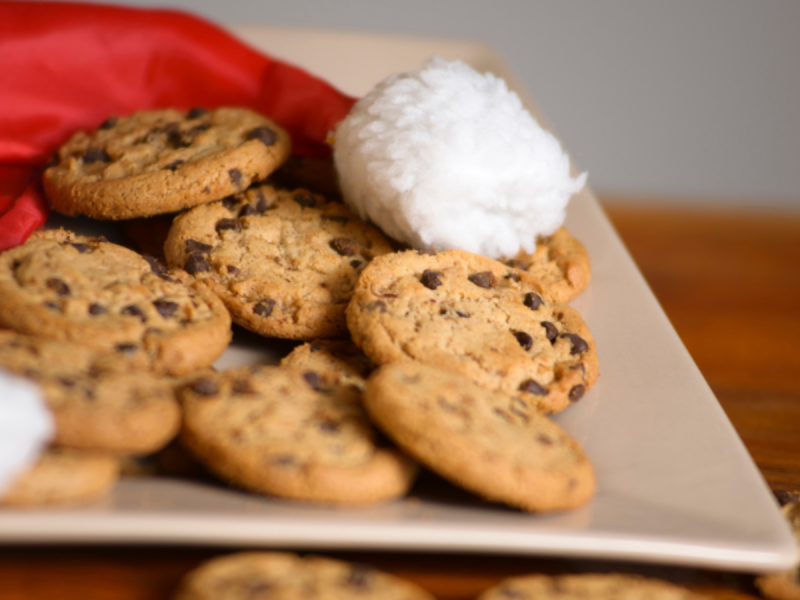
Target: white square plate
<point x="676" y="485"/>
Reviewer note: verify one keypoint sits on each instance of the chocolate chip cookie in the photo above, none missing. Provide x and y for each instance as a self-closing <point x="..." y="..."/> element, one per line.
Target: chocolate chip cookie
<point x="285" y="576"/>
<point x="87" y="290"/>
<point x="63" y="477"/>
<point x="119" y="411"/>
<point x="477" y="317"/>
<point x="490" y="443"/>
<point x="588" y="586"/>
<point x="162" y="161"/>
<point x="284" y="262"/>
<point x="560" y="264"/>
<point x="291" y="433"/>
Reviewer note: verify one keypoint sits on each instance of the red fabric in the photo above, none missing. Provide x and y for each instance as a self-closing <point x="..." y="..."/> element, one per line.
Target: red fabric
<point x="69" y="66"/>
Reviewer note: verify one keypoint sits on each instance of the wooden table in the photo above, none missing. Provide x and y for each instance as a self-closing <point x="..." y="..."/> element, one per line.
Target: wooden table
<point x="730" y="284"/>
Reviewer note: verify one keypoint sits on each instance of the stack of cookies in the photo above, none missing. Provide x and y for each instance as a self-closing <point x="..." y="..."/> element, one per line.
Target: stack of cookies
<point x="406" y="356"/>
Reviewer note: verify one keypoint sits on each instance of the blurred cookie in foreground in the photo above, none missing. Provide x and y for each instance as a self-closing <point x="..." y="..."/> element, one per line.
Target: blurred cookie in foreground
<point x="291" y="433"/>
<point x="588" y="587"/>
<point x="122" y="412"/>
<point x="62" y="286"/>
<point x="286" y="576"/>
<point x="560" y="263"/>
<point x="784" y="585"/>
<point x="474" y="316"/>
<point x="63" y="477"/>
<point x="490" y="443"/>
<point x="284" y="262"/>
<point x="162" y="161"/>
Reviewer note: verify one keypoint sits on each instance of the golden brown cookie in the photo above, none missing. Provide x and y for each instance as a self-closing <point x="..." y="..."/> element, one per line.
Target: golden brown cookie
<point x="162" y="161"/>
<point x="87" y="290"/>
<point x="588" y="586"/>
<point x="291" y="433"/>
<point x="477" y="317"/>
<point x="120" y="411"/>
<point x="63" y="477"/>
<point x="490" y="443"/>
<point x="285" y="576"/>
<point x="284" y="263"/>
<point x="560" y="264"/>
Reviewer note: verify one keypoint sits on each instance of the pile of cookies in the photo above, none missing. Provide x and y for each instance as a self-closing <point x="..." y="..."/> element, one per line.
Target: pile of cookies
<point x="246" y="575"/>
<point x="405" y="356"/>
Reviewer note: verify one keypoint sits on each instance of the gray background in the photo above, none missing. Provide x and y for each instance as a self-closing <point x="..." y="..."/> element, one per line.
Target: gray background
<point x="694" y="100"/>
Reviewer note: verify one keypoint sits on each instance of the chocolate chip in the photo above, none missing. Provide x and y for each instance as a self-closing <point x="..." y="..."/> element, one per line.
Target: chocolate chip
<point x="377" y="305"/>
<point x="533" y="301"/>
<point x="431" y="279"/>
<point x="329" y="425"/>
<point x="82" y="248"/>
<point x="166" y="308"/>
<point x="126" y="348"/>
<point x="524" y="339"/>
<point x="345" y="246"/>
<point x="93" y="155"/>
<point x="515" y="264"/>
<point x="461" y="314"/>
<point x="519" y="407"/>
<point x="247" y="210"/>
<point x="134" y="311"/>
<point x="429" y="251"/>
<point x="503" y="415"/>
<point x="204" y="387"/>
<point x="263" y="134"/>
<point x="231" y="270"/>
<point x="360" y="576"/>
<point x="576" y="393"/>
<point x="174" y="165"/>
<point x="262" y="205"/>
<point x="312" y="379"/>
<point x="284" y="460"/>
<point x="236" y="177"/>
<point x="197" y="111"/>
<point x="96" y="309"/>
<point x="58" y="286"/>
<point x="196" y="263"/>
<point x="544" y="440"/>
<point x="336" y="219"/>
<point x="171" y="130"/>
<point x="241" y="386"/>
<point x="187" y="137"/>
<point x="355" y="263"/>
<point x="579" y="345"/>
<point x="229" y="202"/>
<point x="195" y="247"/>
<point x="228" y="225"/>
<point x="264" y="308"/>
<point x="484" y="279"/>
<point x="305" y="200"/>
<point x="109" y="123"/>
<point x="512" y="276"/>
<point x="156" y="266"/>
<point x="550" y="331"/>
<point x="532" y="387"/>
<point x="52" y="306"/>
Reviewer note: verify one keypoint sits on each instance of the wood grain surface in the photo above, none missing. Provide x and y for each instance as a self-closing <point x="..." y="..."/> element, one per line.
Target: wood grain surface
<point x="730" y="284"/>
